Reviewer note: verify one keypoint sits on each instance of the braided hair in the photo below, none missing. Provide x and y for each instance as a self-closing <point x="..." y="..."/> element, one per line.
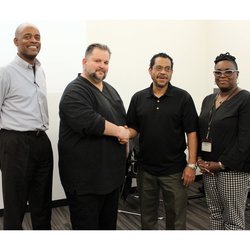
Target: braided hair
<point x="226" y="57"/>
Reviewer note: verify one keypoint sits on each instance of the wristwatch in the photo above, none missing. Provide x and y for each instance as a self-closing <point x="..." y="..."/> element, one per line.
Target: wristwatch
<point x="193" y="166"/>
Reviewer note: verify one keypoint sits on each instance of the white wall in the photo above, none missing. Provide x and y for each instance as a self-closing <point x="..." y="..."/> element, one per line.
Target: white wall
<point x="234" y="37"/>
<point x="133" y="43"/>
<point x="193" y="44"/>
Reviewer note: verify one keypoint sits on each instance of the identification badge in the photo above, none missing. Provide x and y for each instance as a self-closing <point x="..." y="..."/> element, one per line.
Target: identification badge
<point x="206" y="146"/>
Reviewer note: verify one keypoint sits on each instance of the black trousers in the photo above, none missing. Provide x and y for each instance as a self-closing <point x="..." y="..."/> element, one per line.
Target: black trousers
<point x="26" y="162"/>
<point x="93" y="211"/>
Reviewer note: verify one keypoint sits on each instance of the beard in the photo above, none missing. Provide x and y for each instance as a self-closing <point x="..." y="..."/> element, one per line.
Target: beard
<point x="160" y="85"/>
<point x="96" y="78"/>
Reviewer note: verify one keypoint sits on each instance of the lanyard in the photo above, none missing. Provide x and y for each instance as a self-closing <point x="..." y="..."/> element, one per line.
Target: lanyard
<point x="213" y="110"/>
<point x="211" y="116"/>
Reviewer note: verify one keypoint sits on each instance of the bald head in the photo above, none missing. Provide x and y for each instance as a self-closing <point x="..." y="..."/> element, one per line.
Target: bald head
<point x="28" y="42"/>
<point x="22" y="26"/>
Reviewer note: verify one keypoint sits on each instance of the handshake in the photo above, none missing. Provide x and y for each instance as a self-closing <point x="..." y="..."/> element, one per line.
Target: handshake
<point x="123" y="134"/>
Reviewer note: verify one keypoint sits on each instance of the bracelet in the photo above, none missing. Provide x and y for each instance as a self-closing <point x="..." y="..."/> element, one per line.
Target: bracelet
<point x="193" y="166"/>
<point x="222" y="167"/>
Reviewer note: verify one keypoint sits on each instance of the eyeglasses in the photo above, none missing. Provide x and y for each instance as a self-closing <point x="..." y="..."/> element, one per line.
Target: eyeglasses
<point x="227" y="73"/>
<point x="160" y="68"/>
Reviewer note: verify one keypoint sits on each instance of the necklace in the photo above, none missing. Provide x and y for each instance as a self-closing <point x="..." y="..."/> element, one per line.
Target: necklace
<point x="219" y="100"/>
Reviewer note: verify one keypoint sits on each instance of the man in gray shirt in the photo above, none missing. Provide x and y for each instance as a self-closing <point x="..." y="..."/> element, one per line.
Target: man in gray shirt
<point x="26" y="158"/>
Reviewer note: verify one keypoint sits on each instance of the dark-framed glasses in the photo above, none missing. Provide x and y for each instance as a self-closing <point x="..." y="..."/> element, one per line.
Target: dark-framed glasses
<point x="227" y="73"/>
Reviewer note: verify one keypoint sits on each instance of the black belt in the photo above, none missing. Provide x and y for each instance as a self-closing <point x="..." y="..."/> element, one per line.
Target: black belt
<point x="36" y="133"/>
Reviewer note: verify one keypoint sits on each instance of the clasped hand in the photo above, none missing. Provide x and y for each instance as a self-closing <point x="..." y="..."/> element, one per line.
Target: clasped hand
<point x="208" y="167"/>
<point x="123" y="135"/>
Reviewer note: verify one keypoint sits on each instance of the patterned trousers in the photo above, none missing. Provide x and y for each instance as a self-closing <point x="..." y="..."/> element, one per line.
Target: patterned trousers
<point x="226" y="194"/>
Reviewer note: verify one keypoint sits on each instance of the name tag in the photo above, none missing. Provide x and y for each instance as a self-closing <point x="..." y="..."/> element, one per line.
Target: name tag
<point x="206" y="146"/>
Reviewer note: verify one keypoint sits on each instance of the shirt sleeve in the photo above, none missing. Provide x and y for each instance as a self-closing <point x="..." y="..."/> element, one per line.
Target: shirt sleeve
<point x="4" y="86"/>
<point x="76" y="109"/>
<point x="190" y="116"/>
<point x="131" y="118"/>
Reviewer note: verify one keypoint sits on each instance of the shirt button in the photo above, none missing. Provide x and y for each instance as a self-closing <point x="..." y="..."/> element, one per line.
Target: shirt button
<point x="157" y="108"/>
<point x="158" y="100"/>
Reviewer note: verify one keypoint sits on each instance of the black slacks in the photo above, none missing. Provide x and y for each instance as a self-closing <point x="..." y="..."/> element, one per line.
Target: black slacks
<point x="93" y="211"/>
<point x="26" y="162"/>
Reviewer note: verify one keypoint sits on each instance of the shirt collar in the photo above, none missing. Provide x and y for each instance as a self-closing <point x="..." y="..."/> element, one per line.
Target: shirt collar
<point x="167" y="93"/>
<point x="25" y="64"/>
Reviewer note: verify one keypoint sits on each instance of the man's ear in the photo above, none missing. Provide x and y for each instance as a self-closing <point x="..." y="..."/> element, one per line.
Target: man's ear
<point x="84" y="60"/>
<point x="15" y="40"/>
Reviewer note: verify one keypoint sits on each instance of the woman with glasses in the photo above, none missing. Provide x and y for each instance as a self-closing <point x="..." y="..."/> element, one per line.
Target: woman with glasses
<point x="224" y="155"/>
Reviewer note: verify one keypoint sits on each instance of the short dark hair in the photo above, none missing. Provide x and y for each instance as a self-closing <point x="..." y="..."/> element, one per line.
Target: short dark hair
<point x="164" y="55"/>
<point x="92" y="46"/>
<point x="226" y="57"/>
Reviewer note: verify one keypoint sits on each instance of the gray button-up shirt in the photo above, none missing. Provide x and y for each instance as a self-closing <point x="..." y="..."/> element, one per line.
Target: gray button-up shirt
<point x="23" y="102"/>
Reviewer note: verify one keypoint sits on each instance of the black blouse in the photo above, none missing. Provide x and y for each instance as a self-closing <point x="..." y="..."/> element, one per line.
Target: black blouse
<point x="229" y="131"/>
